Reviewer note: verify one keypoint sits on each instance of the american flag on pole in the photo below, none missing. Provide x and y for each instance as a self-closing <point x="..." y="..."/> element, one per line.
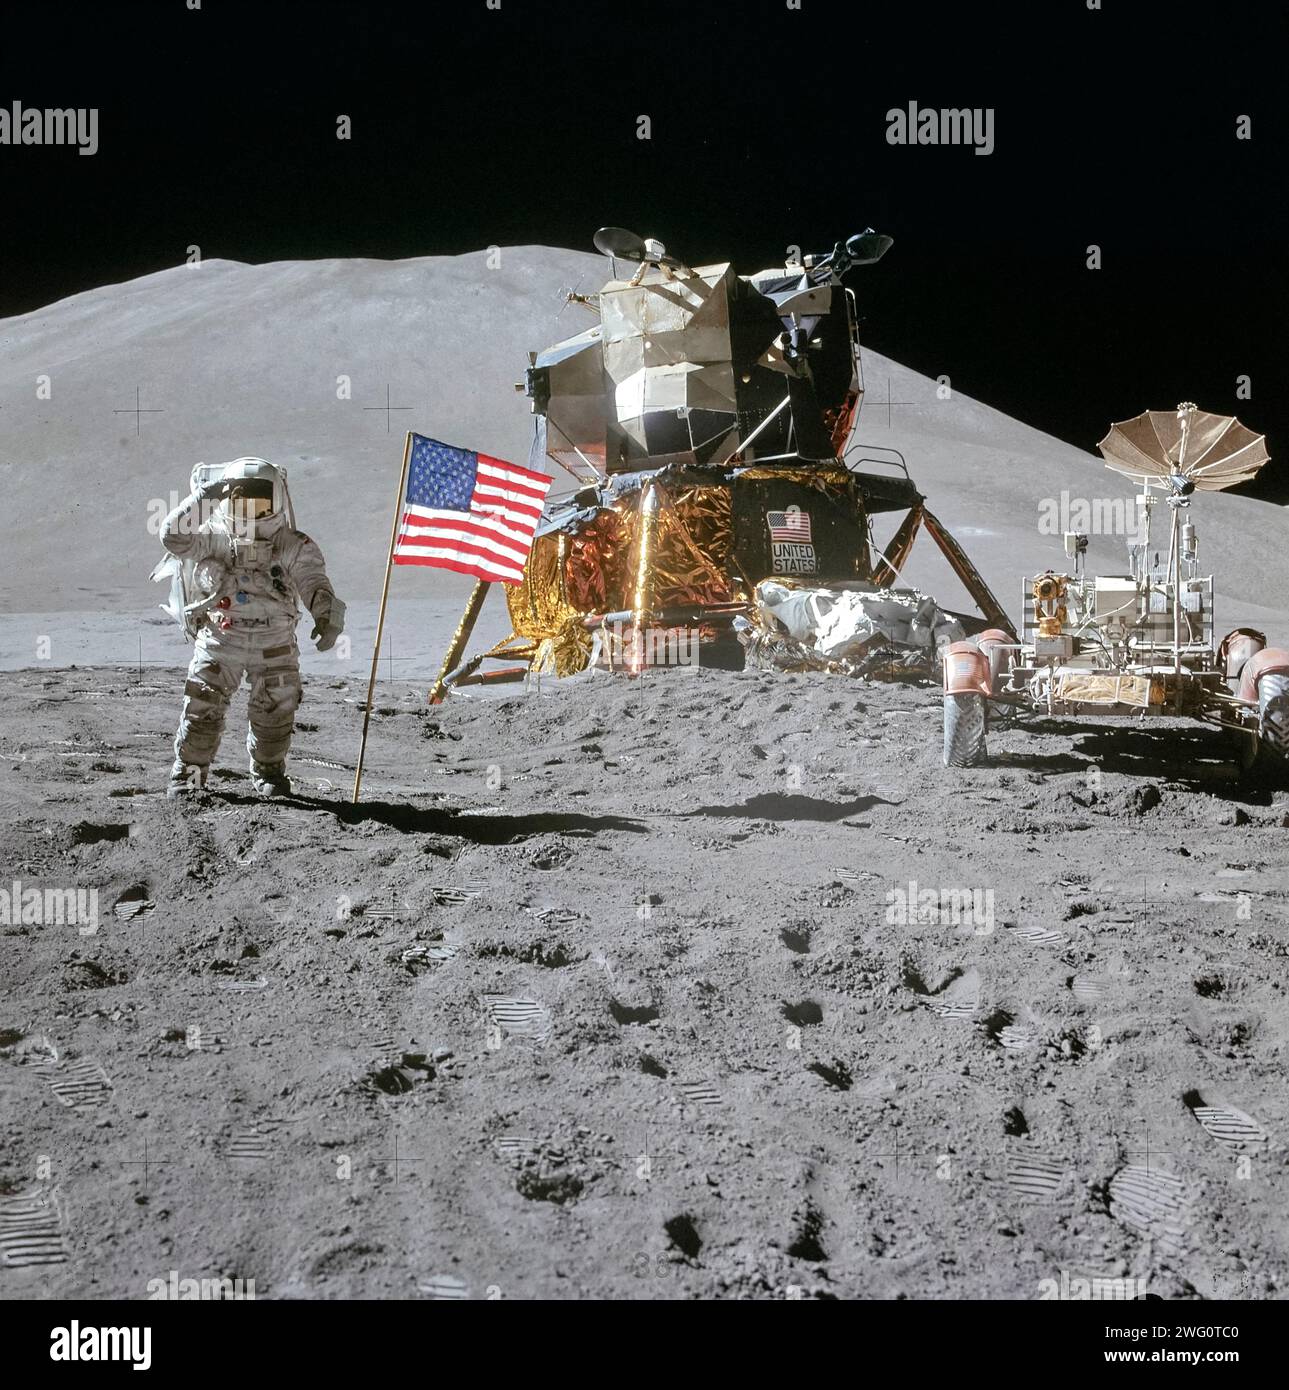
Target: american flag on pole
<point x="467" y="512"/>
<point x="791" y="525"/>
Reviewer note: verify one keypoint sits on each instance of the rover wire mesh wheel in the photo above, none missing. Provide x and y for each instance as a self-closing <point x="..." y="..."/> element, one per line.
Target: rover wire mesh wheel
<point x="964" y="730"/>
<point x="999" y="715"/>
<point x="1273" y="713"/>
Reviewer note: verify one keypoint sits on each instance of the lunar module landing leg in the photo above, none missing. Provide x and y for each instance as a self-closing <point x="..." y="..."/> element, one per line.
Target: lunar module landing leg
<point x="453" y="672"/>
<point x="886" y="572"/>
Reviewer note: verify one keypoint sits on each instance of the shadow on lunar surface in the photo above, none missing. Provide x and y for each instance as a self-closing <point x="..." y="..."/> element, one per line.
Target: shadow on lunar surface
<point x="782" y="806"/>
<point x="429" y="820"/>
<point x="481" y="829"/>
<point x="1040" y="762"/>
<point x="1199" y="759"/>
<point x="1195" y="757"/>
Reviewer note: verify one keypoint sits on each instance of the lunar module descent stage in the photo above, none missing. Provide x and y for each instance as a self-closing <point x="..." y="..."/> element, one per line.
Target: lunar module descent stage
<point x="706" y="417"/>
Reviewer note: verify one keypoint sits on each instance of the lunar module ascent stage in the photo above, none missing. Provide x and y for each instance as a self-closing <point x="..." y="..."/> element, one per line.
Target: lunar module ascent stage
<point x="706" y="417"/>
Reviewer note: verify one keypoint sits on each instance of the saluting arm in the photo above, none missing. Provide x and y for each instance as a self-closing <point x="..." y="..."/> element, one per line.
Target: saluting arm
<point x="180" y="534"/>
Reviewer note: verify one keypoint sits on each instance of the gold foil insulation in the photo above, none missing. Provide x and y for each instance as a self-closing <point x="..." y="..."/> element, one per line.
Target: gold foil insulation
<point x="540" y="612"/>
<point x="592" y="566"/>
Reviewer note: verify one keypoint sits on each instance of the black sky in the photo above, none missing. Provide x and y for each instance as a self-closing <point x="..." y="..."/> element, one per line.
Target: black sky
<point x="1114" y="127"/>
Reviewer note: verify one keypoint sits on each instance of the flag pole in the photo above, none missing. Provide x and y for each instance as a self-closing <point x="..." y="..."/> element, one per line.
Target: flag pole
<point x="459" y="638"/>
<point x="380" y="622"/>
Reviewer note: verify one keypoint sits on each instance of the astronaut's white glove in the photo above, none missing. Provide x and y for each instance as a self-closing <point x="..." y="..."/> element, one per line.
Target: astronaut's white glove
<point x="328" y="621"/>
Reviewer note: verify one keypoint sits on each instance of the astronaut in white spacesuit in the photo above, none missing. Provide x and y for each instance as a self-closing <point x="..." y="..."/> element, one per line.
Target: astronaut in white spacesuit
<point x="238" y="579"/>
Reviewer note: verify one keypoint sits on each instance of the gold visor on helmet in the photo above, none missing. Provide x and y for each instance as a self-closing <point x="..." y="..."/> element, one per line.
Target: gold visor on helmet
<point x="248" y="500"/>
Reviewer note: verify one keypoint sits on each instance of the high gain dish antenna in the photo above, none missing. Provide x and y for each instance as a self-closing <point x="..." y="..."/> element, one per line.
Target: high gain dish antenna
<point x="621" y="245"/>
<point x="1188" y="445"/>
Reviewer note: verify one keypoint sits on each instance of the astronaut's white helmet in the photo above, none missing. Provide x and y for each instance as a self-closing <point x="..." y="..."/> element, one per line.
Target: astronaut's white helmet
<point x="254" y="497"/>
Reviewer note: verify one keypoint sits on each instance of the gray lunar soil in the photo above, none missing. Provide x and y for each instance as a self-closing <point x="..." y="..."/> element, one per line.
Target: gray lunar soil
<point x="598" y="995"/>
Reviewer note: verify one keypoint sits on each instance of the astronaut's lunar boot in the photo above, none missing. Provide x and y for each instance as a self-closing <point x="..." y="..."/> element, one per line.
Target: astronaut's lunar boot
<point x="186" y="779"/>
<point x="270" y="779"/>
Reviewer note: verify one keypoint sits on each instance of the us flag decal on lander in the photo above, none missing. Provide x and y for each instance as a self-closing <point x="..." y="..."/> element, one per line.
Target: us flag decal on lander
<point x="791" y="548"/>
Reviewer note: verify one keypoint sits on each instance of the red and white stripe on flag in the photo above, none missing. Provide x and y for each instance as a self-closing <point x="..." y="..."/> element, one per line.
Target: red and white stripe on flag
<point x="492" y="540"/>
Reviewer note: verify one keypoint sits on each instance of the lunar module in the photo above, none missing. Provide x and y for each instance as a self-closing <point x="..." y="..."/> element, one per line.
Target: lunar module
<point x="705" y="418"/>
<point x="1138" y="644"/>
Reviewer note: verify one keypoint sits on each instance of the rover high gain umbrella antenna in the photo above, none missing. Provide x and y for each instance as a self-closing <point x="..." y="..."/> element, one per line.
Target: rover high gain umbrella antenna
<point x="1211" y="451"/>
